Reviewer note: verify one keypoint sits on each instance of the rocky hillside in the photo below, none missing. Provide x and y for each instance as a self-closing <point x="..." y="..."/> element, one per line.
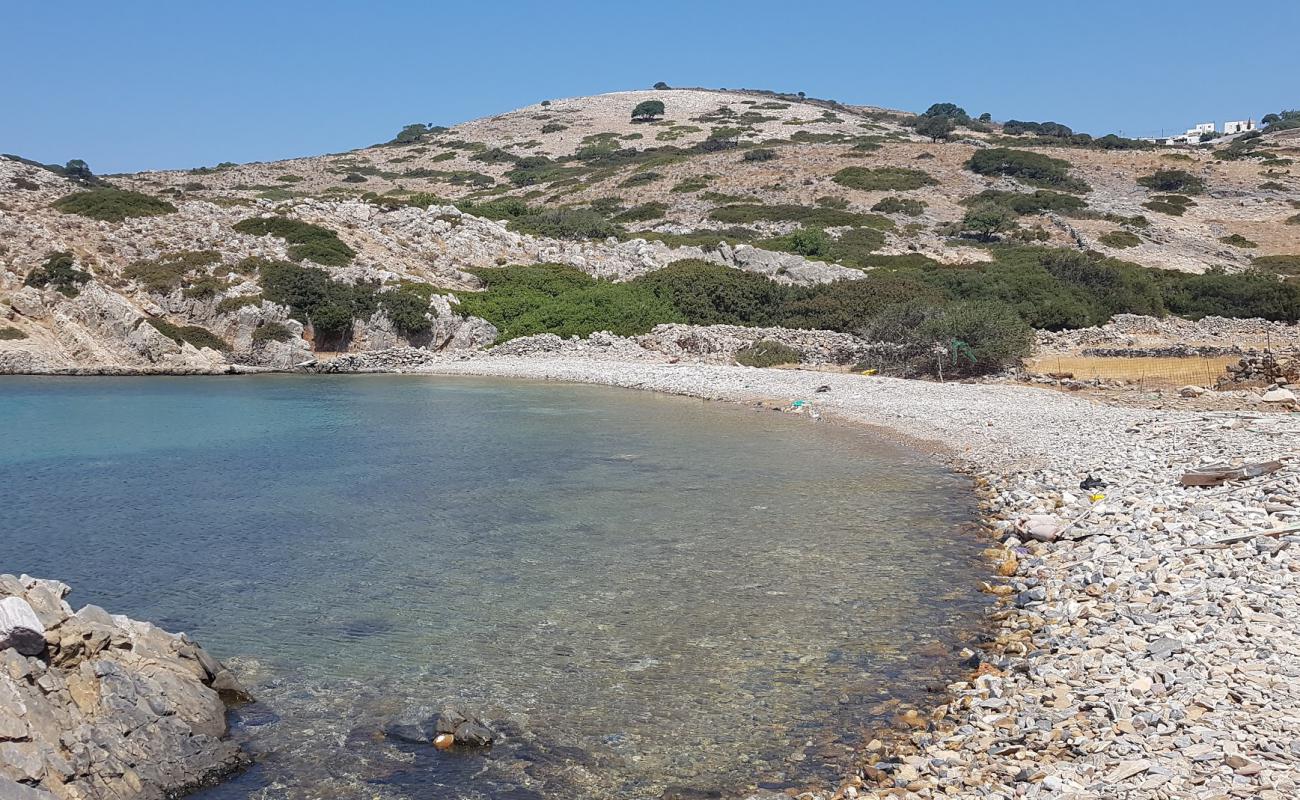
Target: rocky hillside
<point x="269" y="265"/>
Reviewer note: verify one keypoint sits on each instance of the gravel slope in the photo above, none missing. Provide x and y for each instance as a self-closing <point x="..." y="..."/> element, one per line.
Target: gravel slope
<point x="1136" y="660"/>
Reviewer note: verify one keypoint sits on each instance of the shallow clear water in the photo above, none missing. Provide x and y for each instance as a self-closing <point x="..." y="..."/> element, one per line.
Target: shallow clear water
<point x="641" y="591"/>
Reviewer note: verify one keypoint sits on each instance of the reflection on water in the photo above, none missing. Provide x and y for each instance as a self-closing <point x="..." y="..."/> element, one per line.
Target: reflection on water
<point x="641" y="592"/>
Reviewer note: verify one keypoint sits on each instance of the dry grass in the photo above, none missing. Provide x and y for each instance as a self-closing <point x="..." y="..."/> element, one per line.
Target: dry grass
<point x="1148" y="371"/>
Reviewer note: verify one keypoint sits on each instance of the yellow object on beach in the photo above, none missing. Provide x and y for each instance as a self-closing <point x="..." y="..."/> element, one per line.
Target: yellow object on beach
<point x="1095" y="497"/>
<point x="869" y="371"/>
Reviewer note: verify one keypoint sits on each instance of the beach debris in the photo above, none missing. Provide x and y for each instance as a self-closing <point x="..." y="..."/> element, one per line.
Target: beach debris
<point x="20" y="628"/>
<point x="1217" y="474"/>
<point x="1191" y="391"/>
<point x="1090" y="482"/>
<point x="444" y="741"/>
<point x="1041" y="527"/>
<point x="825" y="387"/>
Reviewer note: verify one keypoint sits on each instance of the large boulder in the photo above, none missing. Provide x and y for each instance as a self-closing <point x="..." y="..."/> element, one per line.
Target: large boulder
<point x="108" y="707"/>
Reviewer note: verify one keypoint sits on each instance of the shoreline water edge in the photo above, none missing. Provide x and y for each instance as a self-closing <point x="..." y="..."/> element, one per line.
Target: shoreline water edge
<point x="1146" y="643"/>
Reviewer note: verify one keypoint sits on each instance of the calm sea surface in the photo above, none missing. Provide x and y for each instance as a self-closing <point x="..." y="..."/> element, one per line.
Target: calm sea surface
<point x="642" y="592"/>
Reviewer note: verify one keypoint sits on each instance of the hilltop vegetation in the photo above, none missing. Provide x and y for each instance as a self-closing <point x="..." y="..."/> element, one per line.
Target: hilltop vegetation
<point x="859" y="219"/>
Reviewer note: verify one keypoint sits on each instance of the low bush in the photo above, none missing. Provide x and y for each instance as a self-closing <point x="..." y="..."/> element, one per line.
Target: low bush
<point x="704" y="293"/>
<point x="407" y="307"/>
<point x="759" y="154"/>
<point x="829" y="201"/>
<point x="229" y="305"/>
<point x="900" y="205"/>
<point x="1237" y="240"/>
<point x="642" y="213"/>
<point x="955" y="340"/>
<point x="307" y="242"/>
<point x="767" y="353"/>
<point x="272" y="332"/>
<point x="808" y="216"/>
<point x="113" y="205"/>
<point x="640" y="179"/>
<point x="1035" y="202"/>
<point x="314" y="298"/>
<point x="1120" y="239"/>
<point x="875" y="179"/>
<point x="1295" y="220"/>
<point x="554" y="127"/>
<point x="499" y="209"/>
<point x="59" y="272"/>
<point x="807" y="242"/>
<point x="692" y="184"/>
<point x="987" y="220"/>
<point x="555" y="298"/>
<point x="1173" y="180"/>
<point x="1279" y="265"/>
<point x="567" y="223"/>
<point x="1035" y="169"/>
<point x="353" y="177"/>
<point x="11" y="334"/>
<point x="193" y="334"/>
<point x="1243" y="294"/>
<point x="169" y="270"/>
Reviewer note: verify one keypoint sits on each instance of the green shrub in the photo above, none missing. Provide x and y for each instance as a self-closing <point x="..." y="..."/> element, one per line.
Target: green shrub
<point x="307" y="242"/>
<point x="1035" y="169"/>
<point x="1280" y="265"/>
<point x="272" y="332"/>
<point x="567" y="223"/>
<point x="494" y="155"/>
<point x="1295" y="220"/>
<point x="314" y="298"/>
<point x="759" y="154"/>
<point x="168" y="271"/>
<point x="228" y="305"/>
<point x="499" y="209"/>
<point x="1243" y="294"/>
<point x="289" y="178"/>
<point x="807" y="242"/>
<point x="554" y="127"/>
<point x="847" y="305"/>
<point x="767" y="353"/>
<point x="554" y="298"/>
<point x="808" y="216"/>
<point x="112" y="205"/>
<point x="643" y="212"/>
<point x="11" y="334"/>
<point x="829" y="201"/>
<point x="353" y="177"/>
<point x="1120" y="239"/>
<point x="935" y="127"/>
<point x="1034" y="202"/>
<point x="1173" y="180"/>
<point x="875" y="179"/>
<point x="195" y="335"/>
<point x="640" y="179"/>
<point x="692" y="184"/>
<point x="60" y="273"/>
<point x="1173" y="204"/>
<point x="704" y="293"/>
<point x="407" y="306"/>
<point x="1237" y="240"/>
<point x="900" y="205"/>
<point x="976" y="338"/>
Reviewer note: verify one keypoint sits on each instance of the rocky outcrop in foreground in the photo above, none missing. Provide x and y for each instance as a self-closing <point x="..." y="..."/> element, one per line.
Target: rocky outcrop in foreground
<point x="96" y="705"/>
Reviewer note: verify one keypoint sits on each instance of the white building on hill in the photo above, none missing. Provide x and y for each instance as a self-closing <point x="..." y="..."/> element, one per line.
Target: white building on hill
<point x="1240" y="126"/>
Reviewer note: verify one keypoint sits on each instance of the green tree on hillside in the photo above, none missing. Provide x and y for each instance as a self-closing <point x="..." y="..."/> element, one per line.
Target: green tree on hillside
<point x="952" y="111"/>
<point x="410" y="133"/>
<point x="648" y="109"/>
<point x="987" y="220"/>
<point x="935" y="127"/>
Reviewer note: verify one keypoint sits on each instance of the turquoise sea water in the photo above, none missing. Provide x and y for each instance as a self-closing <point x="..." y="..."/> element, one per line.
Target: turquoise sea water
<point x="643" y="592"/>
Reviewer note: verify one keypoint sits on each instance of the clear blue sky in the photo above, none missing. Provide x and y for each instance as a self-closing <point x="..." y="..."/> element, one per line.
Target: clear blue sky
<point x="142" y="84"/>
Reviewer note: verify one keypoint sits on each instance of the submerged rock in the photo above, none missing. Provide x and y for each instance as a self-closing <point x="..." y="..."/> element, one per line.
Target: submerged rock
<point x="107" y="707"/>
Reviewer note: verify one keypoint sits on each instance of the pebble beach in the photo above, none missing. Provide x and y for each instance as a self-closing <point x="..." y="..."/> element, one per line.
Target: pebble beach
<point x="1150" y="650"/>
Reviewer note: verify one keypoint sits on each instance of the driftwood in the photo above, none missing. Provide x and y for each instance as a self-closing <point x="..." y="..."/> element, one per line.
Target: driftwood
<point x="20" y="628"/>
<point x="1219" y="474"/>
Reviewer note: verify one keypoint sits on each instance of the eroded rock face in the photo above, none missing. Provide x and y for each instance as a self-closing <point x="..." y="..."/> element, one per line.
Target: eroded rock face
<point x="110" y="707"/>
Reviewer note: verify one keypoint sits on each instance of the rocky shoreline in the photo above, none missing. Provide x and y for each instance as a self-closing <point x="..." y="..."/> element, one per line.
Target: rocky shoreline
<point x="1148" y="634"/>
<point x="98" y="706"/>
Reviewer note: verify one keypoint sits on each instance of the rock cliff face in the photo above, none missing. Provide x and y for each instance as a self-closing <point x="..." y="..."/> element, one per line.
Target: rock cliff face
<point x="103" y="706"/>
